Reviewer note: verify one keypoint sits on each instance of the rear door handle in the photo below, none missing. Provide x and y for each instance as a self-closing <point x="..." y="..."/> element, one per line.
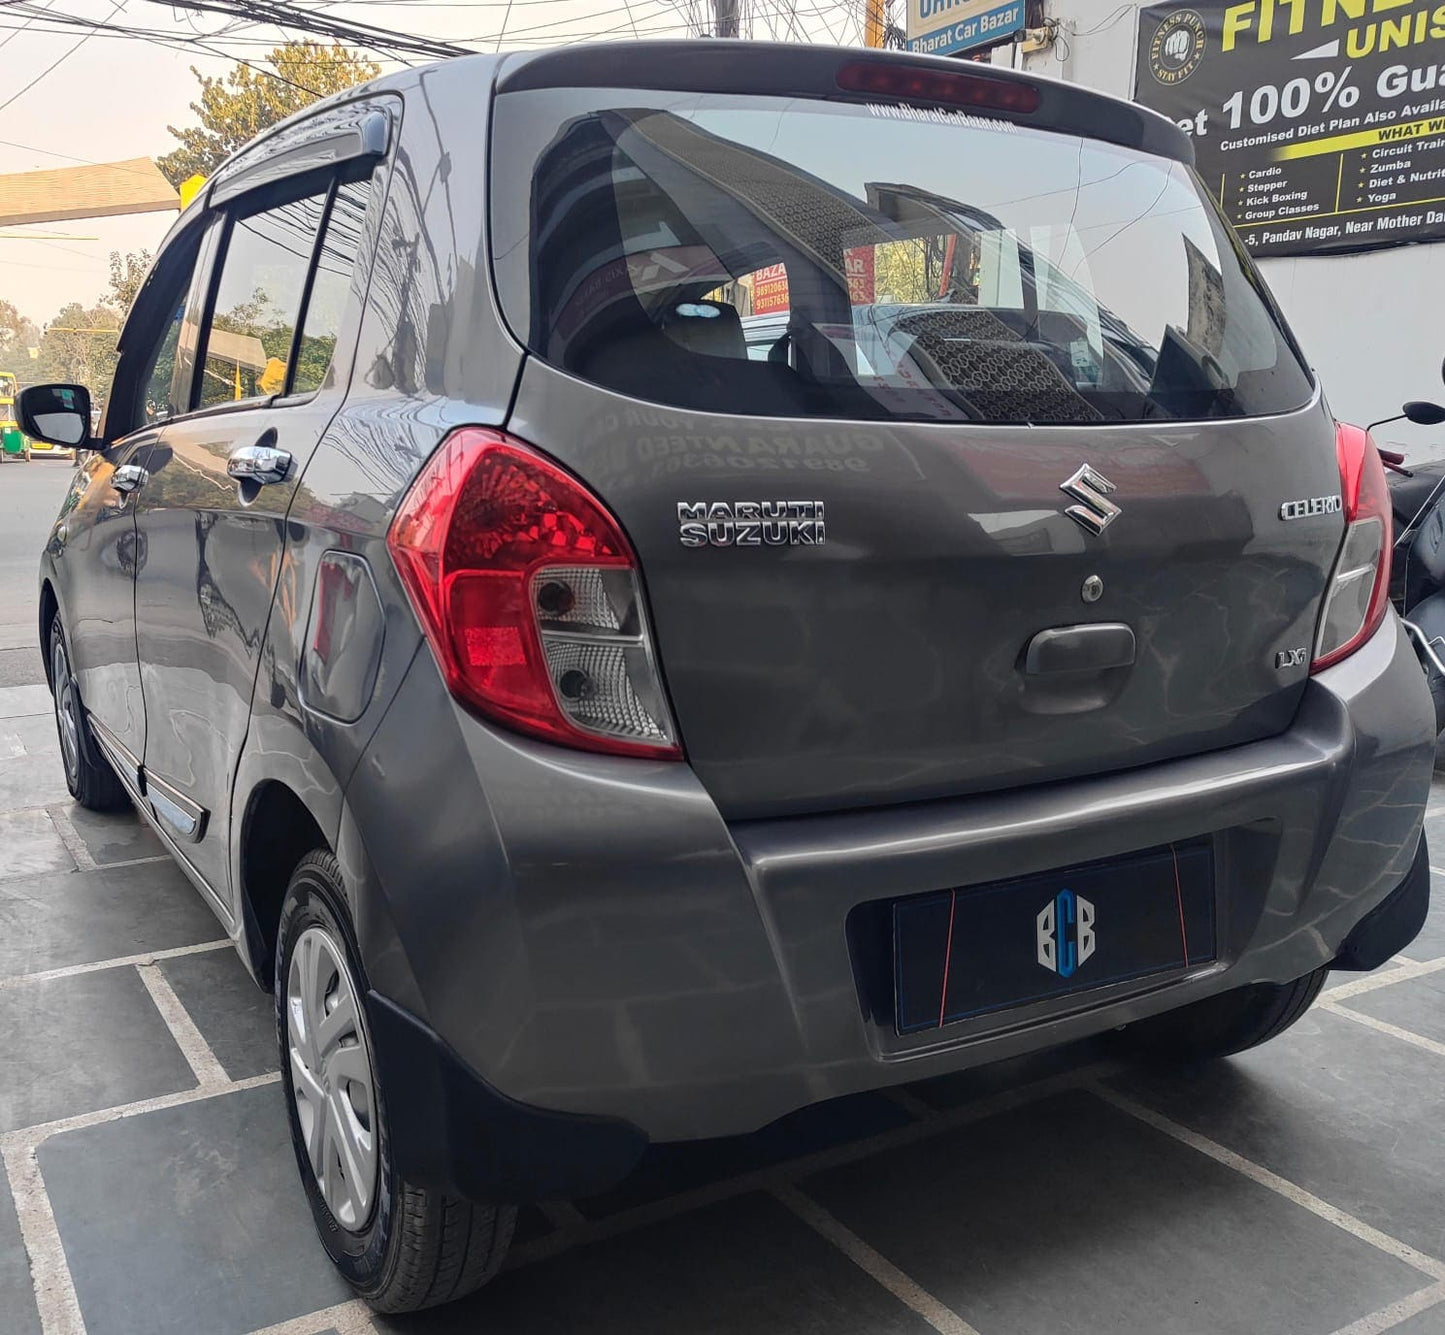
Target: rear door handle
<point x="259" y="464"/>
<point x="1093" y="647"/>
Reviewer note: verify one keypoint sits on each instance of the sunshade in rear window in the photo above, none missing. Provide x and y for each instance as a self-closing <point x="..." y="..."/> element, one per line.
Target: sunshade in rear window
<point x="799" y="258"/>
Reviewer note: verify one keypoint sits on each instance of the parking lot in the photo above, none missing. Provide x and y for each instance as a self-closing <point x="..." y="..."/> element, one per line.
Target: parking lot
<point x="149" y="1186"/>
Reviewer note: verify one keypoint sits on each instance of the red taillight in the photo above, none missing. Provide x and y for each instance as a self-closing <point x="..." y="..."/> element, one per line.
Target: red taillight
<point x="1359" y="589"/>
<point x="910" y="83"/>
<point x="528" y="592"/>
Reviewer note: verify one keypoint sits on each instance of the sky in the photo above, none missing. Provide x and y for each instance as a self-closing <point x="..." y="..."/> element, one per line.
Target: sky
<point x="112" y="98"/>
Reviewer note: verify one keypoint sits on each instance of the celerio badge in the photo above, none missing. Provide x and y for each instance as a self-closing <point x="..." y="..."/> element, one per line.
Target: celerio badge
<point x="750" y="523"/>
<point x="1309" y="506"/>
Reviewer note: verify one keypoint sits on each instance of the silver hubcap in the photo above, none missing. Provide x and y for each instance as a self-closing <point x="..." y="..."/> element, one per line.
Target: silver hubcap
<point x="66" y="720"/>
<point x="331" y="1077"/>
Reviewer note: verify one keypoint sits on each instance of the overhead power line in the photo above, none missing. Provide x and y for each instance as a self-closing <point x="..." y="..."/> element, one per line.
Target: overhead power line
<point x="115" y="9"/>
<point x="188" y="43"/>
<point x="352" y="33"/>
<point x="795" y="20"/>
<point x="27" y="23"/>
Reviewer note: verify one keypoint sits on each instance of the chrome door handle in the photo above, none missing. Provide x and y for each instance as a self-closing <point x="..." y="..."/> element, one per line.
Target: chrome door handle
<point x="259" y="463"/>
<point x="127" y="477"/>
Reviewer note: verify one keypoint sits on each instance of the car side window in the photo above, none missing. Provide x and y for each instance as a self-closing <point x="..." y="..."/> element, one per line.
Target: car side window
<point x="258" y="301"/>
<point x="156" y="400"/>
<point x="330" y="286"/>
<point x="142" y="391"/>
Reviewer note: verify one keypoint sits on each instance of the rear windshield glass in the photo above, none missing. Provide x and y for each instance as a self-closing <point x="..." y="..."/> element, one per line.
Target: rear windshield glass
<point x="796" y="258"/>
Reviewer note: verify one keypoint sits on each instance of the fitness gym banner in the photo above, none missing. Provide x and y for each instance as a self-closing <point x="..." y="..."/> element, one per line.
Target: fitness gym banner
<point x="1319" y="125"/>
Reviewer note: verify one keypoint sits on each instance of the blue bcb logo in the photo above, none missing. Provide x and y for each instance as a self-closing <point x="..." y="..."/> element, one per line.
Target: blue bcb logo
<point x="1065" y="933"/>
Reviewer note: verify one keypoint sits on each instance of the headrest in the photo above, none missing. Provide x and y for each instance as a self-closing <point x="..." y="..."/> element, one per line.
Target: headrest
<point x="711" y="328"/>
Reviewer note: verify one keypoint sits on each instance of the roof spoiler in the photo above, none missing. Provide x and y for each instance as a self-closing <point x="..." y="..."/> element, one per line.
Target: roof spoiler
<point x="795" y="70"/>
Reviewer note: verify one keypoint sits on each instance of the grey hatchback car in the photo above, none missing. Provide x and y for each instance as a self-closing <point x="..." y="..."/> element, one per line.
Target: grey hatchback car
<point x="599" y="736"/>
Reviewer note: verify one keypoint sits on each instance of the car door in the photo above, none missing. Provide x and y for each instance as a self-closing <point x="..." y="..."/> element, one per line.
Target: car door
<point x="97" y="549"/>
<point x="221" y="478"/>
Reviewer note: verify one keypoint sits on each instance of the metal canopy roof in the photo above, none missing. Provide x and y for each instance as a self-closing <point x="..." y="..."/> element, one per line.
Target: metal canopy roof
<point x="103" y="190"/>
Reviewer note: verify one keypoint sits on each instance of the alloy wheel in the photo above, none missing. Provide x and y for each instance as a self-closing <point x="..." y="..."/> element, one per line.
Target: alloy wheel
<point x="67" y="714"/>
<point x="331" y="1076"/>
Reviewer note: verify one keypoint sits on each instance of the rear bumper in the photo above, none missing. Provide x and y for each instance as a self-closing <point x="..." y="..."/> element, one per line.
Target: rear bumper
<point x="587" y="936"/>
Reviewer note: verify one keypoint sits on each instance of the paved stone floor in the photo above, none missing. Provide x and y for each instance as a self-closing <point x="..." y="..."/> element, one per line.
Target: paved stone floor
<point x="149" y="1186"/>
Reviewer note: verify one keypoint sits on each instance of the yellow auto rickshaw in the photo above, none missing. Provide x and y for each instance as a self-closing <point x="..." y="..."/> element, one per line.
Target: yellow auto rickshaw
<point x="14" y="443"/>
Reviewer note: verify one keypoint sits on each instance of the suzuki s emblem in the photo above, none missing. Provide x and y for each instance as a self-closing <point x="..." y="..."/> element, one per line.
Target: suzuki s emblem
<point x="1065" y="933"/>
<point x="1091" y="489"/>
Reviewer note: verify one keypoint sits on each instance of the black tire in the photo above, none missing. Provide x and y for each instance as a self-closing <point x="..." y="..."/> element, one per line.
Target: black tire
<point x="88" y="774"/>
<point x="1228" y="1023"/>
<point x="415" y="1246"/>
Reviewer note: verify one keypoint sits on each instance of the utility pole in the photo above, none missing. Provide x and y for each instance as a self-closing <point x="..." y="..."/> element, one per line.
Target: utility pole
<point x="875" y="22"/>
<point x="726" y="18"/>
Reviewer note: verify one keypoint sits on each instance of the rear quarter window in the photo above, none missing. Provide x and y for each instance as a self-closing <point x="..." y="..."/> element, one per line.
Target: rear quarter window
<point x="798" y="258"/>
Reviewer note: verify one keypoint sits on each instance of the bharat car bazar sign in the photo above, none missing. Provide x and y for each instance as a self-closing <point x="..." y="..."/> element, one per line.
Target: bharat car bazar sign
<point x="770" y="290"/>
<point x="944" y="27"/>
<point x="770" y="285"/>
<point x="1318" y="125"/>
<point x="860" y="264"/>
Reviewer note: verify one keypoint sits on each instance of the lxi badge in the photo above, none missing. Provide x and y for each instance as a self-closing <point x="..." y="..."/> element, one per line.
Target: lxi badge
<point x="1065" y="933"/>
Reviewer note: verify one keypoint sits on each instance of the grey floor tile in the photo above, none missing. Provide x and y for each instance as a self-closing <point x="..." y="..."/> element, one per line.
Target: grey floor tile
<point x="746" y="1267"/>
<point x="1069" y="1216"/>
<point x="1430" y="944"/>
<point x="18" y="635"/>
<point x="671" y="1168"/>
<point x="1429" y="1322"/>
<point x="17" y="1298"/>
<point x="1340" y="1109"/>
<point x="32" y="780"/>
<point x="236" y="1017"/>
<point x="114" y="836"/>
<point x="29" y="844"/>
<point x="1418" y="1004"/>
<point x="73" y="1045"/>
<point x="32" y="735"/>
<point x="48" y="922"/>
<point x="189" y="1219"/>
<point x="17" y="701"/>
<point x="21" y="667"/>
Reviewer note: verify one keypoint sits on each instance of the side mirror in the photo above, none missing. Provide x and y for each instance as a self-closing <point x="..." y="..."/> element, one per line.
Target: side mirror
<point x="1424" y="413"/>
<point x="59" y="414"/>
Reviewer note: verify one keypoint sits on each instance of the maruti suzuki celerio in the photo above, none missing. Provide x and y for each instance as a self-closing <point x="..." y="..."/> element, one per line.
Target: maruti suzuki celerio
<point x="651" y="586"/>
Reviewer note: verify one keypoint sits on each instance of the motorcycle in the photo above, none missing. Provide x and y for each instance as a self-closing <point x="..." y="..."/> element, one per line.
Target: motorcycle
<point x="1417" y="567"/>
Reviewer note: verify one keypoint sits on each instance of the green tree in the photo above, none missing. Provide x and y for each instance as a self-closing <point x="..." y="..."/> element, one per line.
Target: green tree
<point x="17" y="336"/>
<point x="78" y="348"/>
<point x="238" y="107"/>
<point x="127" y="273"/>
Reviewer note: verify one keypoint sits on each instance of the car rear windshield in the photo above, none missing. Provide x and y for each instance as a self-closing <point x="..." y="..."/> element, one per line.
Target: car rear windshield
<point x="786" y="257"/>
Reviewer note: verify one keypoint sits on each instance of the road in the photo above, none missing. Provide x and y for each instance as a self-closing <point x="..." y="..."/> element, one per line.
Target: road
<point x="30" y="496"/>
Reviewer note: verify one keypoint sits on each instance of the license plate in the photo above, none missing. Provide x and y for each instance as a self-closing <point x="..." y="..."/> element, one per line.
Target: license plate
<point x="959" y="953"/>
